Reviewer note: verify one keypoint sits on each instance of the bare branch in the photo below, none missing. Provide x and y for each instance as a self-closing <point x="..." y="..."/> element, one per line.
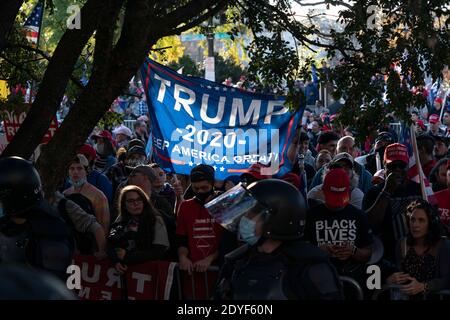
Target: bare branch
<point x="20" y="67"/>
<point x="46" y="57"/>
<point x="200" y="19"/>
<point x="333" y="3"/>
<point x="160" y="49"/>
<point x="191" y="10"/>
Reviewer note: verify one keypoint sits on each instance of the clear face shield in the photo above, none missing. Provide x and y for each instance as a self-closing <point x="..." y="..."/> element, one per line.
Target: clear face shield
<point x="229" y="207"/>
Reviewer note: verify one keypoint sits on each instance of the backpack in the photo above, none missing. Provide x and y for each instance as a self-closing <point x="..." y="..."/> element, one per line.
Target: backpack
<point x="84" y="240"/>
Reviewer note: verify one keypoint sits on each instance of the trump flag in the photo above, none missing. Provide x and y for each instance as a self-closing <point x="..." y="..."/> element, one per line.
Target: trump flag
<point x="198" y="121"/>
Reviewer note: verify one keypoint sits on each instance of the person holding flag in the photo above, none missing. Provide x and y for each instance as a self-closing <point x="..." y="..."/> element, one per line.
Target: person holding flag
<point x="386" y="203"/>
<point x="312" y="89"/>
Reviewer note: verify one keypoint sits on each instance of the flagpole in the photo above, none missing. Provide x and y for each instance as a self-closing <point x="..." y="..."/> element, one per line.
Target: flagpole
<point x="378" y="161"/>
<point x="419" y="166"/>
<point x="40" y="25"/>
<point x="30" y="101"/>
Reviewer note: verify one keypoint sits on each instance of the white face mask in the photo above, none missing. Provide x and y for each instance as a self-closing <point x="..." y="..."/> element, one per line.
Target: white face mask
<point x="79" y="183"/>
<point x="100" y="148"/>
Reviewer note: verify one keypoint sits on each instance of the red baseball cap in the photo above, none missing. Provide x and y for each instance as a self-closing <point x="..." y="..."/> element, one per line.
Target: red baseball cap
<point x="336" y="188"/>
<point x="396" y="151"/>
<point x="255" y="171"/>
<point x="88" y="151"/>
<point x="104" y="134"/>
<point x="292" y="178"/>
<point x="434" y="118"/>
<point x="438" y="100"/>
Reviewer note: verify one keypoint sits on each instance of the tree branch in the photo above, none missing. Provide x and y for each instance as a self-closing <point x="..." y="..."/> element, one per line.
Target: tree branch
<point x="48" y="58"/>
<point x="160" y="49"/>
<point x="293" y="27"/>
<point x="211" y="12"/>
<point x="334" y="3"/>
<point x="8" y="12"/>
<point x="20" y="67"/>
<point x="54" y="83"/>
<point x="191" y="10"/>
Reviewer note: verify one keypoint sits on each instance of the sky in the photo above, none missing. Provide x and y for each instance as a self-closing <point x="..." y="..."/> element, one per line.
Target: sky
<point x="301" y="11"/>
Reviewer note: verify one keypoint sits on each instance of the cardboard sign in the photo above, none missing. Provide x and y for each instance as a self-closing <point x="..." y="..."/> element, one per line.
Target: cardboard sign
<point x="14" y="120"/>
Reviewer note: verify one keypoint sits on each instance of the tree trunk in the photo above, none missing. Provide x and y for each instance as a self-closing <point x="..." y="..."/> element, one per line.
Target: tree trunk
<point x="112" y="70"/>
<point x="54" y="83"/>
<point x="105" y="85"/>
<point x="8" y="12"/>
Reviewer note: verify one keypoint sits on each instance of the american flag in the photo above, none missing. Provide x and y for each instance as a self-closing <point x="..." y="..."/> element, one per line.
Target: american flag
<point x="413" y="169"/>
<point x="33" y="24"/>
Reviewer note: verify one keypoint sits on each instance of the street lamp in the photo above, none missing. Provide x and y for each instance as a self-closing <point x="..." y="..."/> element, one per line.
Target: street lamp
<point x="210" y="73"/>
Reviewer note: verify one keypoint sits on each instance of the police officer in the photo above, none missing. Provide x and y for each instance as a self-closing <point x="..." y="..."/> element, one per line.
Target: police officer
<point x="274" y="264"/>
<point x="31" y="231"/>
<point x="21" y="283"/>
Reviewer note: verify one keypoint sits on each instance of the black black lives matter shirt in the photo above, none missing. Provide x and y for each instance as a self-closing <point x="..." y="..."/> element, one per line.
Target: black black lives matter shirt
<point x="347" y="226"/>
<point x="394" y="225"/>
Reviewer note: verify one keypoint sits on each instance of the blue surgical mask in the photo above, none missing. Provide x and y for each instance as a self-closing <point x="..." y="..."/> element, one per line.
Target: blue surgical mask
<point x="247" y="228"/>
<point x="79" y="183"/>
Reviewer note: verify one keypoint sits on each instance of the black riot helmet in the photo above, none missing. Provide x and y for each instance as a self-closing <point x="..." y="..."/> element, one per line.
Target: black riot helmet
<point x="283" y="206"/>
<point x="285" y="219"/>
<point x="20" y="186"/>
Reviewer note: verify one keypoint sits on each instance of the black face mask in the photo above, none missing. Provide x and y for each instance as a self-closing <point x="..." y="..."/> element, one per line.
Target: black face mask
<point x="202" y="196"/>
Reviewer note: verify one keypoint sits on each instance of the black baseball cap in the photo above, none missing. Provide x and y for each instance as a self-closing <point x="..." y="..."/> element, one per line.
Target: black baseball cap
<point x="202" y="172"/>
<point x="343" y="156"/>
<point x="385" y="136"/>
<point x="136" y="150"/>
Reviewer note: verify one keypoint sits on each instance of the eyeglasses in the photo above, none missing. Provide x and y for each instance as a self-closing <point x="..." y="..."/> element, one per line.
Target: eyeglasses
<point x="134" y="201"/>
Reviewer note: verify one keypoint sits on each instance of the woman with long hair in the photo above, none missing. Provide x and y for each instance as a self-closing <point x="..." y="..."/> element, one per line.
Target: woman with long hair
<point x="423" y="257"/>
<point x="139" y="233"/>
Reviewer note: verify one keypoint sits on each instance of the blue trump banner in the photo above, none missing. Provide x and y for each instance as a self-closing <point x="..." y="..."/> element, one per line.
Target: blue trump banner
<point x="198" y="121"/>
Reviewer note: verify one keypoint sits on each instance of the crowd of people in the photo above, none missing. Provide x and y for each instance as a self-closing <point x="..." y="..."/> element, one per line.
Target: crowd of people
<point x="342" y="207"/>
